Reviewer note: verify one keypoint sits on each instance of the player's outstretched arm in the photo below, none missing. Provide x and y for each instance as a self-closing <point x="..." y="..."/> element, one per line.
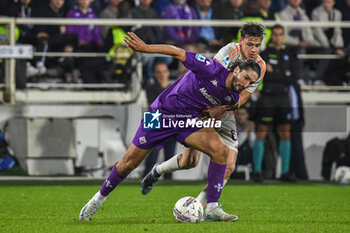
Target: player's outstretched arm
<point x="134" y="42"/>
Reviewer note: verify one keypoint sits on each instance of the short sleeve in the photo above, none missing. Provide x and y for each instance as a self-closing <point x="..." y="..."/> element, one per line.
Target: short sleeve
<point x="223" y="56"/>
<point x="200" y="65"/>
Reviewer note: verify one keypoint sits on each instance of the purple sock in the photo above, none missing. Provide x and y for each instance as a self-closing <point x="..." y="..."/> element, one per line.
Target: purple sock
<point x="111" y="182"/>
<point x="216" y="173"/>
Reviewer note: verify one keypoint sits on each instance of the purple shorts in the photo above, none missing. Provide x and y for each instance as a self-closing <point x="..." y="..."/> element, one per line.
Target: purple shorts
<point x="157" y="138"/>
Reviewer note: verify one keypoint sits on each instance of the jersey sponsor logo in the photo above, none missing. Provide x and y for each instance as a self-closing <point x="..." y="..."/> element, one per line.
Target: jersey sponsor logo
<point x="142" y="140"/>
<point x="151" y="120"/>
<point x="208" y="96"/>
<point x="214" y="82"/>
<point x="200" y="57"/>
<point x="226" y="60"/>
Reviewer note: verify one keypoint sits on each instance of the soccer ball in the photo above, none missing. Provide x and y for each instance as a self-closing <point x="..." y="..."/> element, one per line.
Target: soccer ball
<point x="342" y="175"/>
<point x="188" y="210"/>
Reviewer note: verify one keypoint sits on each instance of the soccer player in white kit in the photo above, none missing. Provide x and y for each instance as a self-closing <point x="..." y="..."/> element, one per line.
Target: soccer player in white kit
<point x="248" y="47"/>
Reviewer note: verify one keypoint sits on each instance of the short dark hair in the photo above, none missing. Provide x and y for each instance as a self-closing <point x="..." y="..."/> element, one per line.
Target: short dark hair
<point x="253" y="30"/>
<point x="246" y="65"/>
<point x="277" y="26"/>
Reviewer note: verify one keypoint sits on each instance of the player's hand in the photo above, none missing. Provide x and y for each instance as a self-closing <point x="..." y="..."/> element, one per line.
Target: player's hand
<point x="135" y="42"/>
<point x="213" y="112"/>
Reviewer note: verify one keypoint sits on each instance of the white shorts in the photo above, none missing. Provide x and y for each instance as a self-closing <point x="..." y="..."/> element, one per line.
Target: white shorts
<point x="228" y="131"/>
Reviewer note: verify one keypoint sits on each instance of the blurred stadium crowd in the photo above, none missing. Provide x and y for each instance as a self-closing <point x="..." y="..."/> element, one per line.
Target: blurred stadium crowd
<point x="90" y="38"/>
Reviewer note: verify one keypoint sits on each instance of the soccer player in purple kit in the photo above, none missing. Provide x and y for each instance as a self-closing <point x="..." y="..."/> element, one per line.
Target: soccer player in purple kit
<point x="189" y="95"/>
<point x="248" y="48"/>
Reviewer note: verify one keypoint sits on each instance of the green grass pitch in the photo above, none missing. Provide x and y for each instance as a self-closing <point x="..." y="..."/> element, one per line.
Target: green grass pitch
<point x="55" y="207"/>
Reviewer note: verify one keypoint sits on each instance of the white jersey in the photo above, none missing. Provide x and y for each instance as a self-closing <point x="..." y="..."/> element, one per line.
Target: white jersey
<point x="227" y="55"/>
<point x="231" y="53"/>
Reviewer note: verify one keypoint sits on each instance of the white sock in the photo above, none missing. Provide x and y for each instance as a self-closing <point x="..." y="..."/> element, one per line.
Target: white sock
<point x="211" y="206"/>
<point x="99" y="197"/>
<point x="203" y="196"/>
<point x="168" y="166"/>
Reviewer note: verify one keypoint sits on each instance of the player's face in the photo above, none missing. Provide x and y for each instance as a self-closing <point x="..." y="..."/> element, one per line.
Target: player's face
<point x="250" y="47"/>
<point x="242" y="79"/>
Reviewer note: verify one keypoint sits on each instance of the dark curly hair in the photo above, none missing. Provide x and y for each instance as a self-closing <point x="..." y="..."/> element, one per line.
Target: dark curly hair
<point x="245" y="65"/>
<point x="253" y="29"/>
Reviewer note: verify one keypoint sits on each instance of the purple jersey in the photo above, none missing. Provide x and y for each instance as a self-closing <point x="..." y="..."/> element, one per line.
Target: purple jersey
<point x="203" y="85"/>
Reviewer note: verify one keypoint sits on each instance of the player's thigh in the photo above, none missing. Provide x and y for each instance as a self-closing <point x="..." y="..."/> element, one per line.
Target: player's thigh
<point x="131" y="159"/>
<point x="228" y="131"/>
<point x="208" y="141"/>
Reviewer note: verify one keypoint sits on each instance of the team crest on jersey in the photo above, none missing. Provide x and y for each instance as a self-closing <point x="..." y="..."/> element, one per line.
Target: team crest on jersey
<point x="142" y="140"/>
<point x="226" y="60"/>
<point x="228" y="98"/>
<point x="200" y="57"/>
<point x="214" y="82"/>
